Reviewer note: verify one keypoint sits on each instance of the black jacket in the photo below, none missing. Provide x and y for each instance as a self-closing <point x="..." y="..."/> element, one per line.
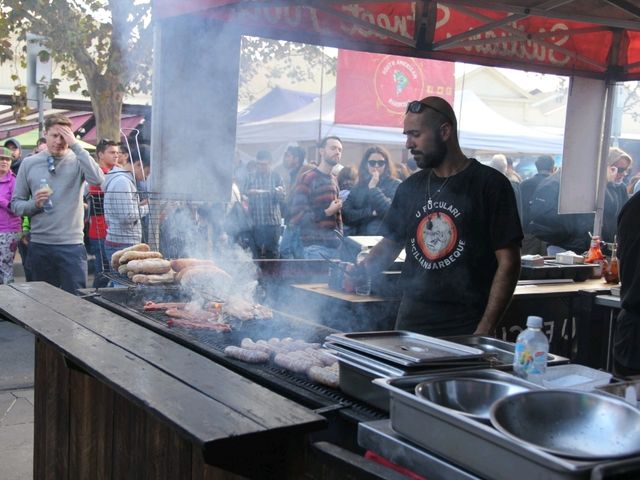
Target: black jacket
<point x="358" y="210"/>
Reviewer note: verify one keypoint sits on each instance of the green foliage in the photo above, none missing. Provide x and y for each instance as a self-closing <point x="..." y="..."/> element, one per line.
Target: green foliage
<point x="296" y="61"/>
<point x="108" y="43"/>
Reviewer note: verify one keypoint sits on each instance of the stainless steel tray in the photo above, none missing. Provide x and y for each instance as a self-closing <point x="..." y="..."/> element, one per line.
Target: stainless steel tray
<point x="358" y="370"/>
<point x="405" y="348"/>
<point x="472" y="445"/>
<point x="499" y="351"/>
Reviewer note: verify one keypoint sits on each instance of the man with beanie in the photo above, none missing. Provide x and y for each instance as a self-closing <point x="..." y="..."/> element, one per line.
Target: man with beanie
<point x="56" y="251"/>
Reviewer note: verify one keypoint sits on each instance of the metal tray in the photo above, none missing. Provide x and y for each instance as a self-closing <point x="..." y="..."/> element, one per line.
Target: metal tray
<point x="358" y="370"/>
<point x="498" y="351"/>
<point x="405" y="348"/>
<point x="472" y="445"/>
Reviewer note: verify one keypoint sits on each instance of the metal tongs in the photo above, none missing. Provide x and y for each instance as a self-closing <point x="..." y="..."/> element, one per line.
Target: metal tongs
<point x="335" y="262"/>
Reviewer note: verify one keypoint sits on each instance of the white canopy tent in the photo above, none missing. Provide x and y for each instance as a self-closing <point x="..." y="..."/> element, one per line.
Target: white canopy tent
<point x="481" y="128"/>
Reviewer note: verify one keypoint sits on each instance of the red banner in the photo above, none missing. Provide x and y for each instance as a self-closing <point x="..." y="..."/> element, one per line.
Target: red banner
<point x="374" y="89"/>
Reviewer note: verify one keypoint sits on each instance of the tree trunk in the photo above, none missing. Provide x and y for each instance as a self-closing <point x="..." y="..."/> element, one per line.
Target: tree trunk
<point x="107" y="108"/>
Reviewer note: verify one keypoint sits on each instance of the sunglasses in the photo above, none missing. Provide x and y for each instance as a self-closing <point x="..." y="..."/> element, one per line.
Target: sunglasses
<point x="51" y="166"/>
<point x="417" y="106"/>
<point x="621" y="170"/>
<point x="5" y="159"/>
<point x="376" y="163"/>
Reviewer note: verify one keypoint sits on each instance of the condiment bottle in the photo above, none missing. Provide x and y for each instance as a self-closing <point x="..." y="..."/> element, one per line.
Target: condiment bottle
<point x="595" y="256"/>
<point x="611" y="274"/>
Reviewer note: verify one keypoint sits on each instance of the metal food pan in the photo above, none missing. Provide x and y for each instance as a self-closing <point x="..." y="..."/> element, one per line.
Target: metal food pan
<point x="405" y="348"/>
<point x="499" y="351"/>
<point x="357" y="372"/>
<point x="470" y="444"/>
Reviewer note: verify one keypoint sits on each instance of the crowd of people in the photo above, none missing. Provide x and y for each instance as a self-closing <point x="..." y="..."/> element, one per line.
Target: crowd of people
<point x="54" y="206"/>
<point x="307" y="214"/>
<point x="546" y="231"/>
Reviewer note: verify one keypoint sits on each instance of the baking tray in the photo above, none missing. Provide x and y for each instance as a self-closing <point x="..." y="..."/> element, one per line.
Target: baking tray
<point x="357" y="372"/>
<point x="498" y="352"/>
<point x="470" y="444"/>
<point x="405" y="348"/>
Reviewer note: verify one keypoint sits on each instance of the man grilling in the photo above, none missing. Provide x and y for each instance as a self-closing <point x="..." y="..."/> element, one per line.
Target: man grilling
<point x="458" y="222"/>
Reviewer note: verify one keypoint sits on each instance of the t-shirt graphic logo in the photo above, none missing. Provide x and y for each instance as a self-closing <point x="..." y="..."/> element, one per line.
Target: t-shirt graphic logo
<point x="437" y="235"/>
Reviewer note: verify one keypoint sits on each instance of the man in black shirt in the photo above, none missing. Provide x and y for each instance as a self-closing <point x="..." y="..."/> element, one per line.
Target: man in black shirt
<point x="545" y="165"/>
<point x="458" y="222"/>
<point x="627" y="337"/>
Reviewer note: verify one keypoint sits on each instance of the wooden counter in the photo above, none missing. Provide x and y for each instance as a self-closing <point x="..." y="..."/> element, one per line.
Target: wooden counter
<point x="554" y="302"/>
<point x="115" y="400"/>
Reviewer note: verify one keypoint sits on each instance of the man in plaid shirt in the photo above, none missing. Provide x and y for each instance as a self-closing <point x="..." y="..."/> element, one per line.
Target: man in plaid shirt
<point x="264" y="190"/>
<point x="315" y="206"/>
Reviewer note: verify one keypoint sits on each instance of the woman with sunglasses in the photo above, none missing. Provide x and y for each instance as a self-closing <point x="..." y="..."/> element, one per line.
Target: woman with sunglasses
<point x="10" y="223"/>
<point x="619" y="164"/>
<point x="371" y="198"/>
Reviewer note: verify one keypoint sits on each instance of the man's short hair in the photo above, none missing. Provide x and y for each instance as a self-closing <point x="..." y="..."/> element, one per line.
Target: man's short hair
<point x="56" y="119"/>
<point x="143" y="156"/>
<point x="545" y="163"/>
<point x="298" y="153"/>
<point x="104" y="144"/>
<point x="323" y="142"/>
<point x="41" y="141"/>
<point x="263" y="156"/>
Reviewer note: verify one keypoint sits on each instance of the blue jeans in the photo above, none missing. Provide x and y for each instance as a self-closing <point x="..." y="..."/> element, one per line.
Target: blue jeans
<point x="291" y="245"/>
<point x="265" y="241"/>
<point x="316" y="252"/>
<point x="63" y="266"/>
<point x="100" y="262"/>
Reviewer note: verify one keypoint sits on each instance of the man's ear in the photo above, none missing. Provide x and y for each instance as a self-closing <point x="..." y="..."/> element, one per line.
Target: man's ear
<point x="445" y="131"/>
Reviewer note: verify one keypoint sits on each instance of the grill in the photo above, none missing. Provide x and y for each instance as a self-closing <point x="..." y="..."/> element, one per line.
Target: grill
<point x="128" y="302"/>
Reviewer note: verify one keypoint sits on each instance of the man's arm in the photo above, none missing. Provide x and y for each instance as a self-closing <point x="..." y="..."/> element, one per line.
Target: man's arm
<point x="21" y="201"/>
<point x="380" y="257"/>
<point x="89" y="167"/>
<point x="502" y="287"/>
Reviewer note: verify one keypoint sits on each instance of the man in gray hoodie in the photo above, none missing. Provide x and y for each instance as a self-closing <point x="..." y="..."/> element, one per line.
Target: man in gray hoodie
<point x="123" y="208"/>
<point x="56" y="251"/>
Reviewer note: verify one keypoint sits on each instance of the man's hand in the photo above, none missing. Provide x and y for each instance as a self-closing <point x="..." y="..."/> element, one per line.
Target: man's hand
<point x="333" y="208"/>
<point x="42" y="196"/>
<point x="66" y="133"/>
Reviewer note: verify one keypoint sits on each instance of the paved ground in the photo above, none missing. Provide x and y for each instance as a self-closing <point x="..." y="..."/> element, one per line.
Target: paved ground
<point x="16" y="398"/>
<point x="16" y="402"/>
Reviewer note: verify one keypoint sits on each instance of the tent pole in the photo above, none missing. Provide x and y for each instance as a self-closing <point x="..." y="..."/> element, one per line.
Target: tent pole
<point x="321" y="93"/>
<point x="604" y="153"/>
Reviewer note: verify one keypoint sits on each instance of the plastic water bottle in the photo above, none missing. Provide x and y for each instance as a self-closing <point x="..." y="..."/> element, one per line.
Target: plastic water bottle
<point x="532" y="347"/>
<point x="48" y="205"/>
<point x="363" y="285"/>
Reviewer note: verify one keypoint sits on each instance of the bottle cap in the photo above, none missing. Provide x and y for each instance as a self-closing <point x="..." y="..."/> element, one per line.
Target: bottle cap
<point x="534" y="322"/>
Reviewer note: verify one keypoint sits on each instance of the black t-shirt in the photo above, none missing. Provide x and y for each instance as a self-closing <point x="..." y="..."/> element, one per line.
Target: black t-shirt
<point x="450" y="241"/>
<point x="627" y="337"/>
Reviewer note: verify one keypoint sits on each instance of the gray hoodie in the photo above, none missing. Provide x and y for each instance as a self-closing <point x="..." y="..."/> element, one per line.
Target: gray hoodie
<point x="64" y="223"/>
<point x="122" y="210"/>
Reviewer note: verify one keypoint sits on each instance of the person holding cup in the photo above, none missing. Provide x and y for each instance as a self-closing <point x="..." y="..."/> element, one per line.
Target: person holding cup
<point x="56" y="250"/>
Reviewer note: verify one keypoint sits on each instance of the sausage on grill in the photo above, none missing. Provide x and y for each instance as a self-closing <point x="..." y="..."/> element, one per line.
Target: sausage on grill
<point x="246" y="355"/>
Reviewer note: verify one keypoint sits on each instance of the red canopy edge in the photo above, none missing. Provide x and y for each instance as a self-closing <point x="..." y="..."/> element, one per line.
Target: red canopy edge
<point x="581" y="37"/>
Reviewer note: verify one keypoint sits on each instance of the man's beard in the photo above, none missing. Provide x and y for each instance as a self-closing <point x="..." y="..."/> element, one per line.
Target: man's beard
<point x="333" y="161"/>
<point x="434" y="158"/>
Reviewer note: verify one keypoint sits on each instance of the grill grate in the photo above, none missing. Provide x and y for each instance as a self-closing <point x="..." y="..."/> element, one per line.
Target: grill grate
<point x="128" y="302"/>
